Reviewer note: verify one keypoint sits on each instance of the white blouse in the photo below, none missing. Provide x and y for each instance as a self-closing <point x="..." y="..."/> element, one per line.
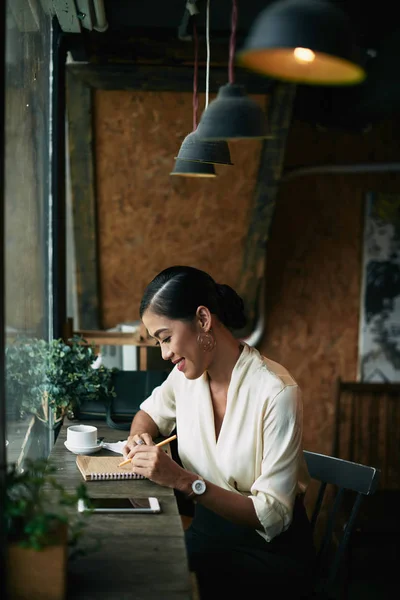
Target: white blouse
<point x="259" y="448"/>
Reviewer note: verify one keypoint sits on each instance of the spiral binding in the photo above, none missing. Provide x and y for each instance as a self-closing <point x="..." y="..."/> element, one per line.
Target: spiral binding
<point x="116" y="476"/>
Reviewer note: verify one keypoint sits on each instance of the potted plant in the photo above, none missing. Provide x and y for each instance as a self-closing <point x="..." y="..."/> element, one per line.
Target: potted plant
<point x="44" y="530"/>
<point x="52" y="378"/>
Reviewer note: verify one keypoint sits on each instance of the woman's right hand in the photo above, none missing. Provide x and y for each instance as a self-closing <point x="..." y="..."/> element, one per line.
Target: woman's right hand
<point x="136" y="440"/>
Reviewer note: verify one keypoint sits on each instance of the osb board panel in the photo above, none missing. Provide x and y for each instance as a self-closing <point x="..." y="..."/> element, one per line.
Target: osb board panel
<point x="313" y="271"/>
<point x="312" y="292"/>
<point x="148" y="220"/>
<point x="313" y="279"/>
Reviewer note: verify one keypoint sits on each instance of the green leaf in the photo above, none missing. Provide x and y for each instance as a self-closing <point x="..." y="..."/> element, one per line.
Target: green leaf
<point x="63" y="371"/>
<point x="37" y="503"/>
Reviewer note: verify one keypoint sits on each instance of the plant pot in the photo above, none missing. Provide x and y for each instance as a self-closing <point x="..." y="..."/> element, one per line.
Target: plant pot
<point x="38" y="574"/>
<point x="51" y="423"/>
<point x="46" y="413"/>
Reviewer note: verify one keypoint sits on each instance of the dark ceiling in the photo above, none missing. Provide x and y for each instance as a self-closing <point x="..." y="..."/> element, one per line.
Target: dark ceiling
<point x="164" y="25"/>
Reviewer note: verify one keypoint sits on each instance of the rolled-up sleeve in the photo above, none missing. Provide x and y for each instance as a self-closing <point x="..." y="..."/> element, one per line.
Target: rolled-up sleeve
<point x="274" y="491"/>
<point x="161" y="406"/>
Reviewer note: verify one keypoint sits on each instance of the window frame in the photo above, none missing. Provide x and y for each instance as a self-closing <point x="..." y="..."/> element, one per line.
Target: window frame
<point x="3" y="452"/>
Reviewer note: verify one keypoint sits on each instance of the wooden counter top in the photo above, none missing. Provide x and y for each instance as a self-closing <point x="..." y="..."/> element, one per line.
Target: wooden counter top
<point x="141" y="556"/>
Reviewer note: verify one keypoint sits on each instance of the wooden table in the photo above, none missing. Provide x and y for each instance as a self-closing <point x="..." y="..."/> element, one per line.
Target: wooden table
<point x="140" y="556"/>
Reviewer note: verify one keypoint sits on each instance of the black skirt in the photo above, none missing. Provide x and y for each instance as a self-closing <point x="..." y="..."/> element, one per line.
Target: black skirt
<point x="233" y="560"/>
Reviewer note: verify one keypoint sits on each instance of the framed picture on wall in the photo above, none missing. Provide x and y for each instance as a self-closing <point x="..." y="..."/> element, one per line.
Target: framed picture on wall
<point x="379" y="331"/>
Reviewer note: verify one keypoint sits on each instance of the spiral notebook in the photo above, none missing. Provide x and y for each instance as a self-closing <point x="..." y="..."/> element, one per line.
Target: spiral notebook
<point x="94" y="468"/>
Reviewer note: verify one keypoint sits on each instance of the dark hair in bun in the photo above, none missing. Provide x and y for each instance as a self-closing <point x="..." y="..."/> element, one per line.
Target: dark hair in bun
<point x="178" y="291"/>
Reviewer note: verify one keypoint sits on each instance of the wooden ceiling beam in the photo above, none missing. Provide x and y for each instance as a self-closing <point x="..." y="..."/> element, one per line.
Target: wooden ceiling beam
<point x="148" y="47"/>
<point x="161" y="78"/>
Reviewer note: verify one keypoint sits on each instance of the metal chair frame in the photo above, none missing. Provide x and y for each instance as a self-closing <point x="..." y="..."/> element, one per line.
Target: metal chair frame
<point x="344" y="476"/>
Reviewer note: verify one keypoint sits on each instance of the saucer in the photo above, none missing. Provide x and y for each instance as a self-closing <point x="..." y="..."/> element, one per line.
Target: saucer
<point x="87" y="450"/>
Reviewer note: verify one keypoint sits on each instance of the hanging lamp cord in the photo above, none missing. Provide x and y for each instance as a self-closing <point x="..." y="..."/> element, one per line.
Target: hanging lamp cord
<point x="232" y="41"/>
<point x="195" y="76"/>
<point x="208" y="53"/>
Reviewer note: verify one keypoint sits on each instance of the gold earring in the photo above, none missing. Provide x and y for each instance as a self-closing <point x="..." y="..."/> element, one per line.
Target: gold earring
<point x="206" y="341"/>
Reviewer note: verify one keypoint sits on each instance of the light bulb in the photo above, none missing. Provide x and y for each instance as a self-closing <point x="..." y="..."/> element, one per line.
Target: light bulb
<point x="303" y="55"/>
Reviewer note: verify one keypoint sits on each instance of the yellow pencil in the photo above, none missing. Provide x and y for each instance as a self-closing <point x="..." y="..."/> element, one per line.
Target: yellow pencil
<point x="173" y="437"/>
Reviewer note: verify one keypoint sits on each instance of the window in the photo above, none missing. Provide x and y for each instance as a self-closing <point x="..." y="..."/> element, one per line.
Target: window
<point x="28" y="234"/>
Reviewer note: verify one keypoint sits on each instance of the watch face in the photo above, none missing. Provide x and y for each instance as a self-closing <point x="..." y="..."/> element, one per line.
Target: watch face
<point x="199" y="487"/>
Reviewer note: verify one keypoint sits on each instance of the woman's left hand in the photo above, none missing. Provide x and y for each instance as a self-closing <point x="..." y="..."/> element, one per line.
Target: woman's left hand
<point x="155" y="464"/>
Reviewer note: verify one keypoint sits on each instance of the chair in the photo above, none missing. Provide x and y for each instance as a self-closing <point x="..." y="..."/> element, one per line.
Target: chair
<point x="367" y="427"/>
<point x="367" y="430"/>
<point x="335" y="477"/>
<point x="131" y="388"/>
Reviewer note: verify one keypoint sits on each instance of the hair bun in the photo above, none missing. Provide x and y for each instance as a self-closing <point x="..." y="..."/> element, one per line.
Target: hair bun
<point x="232" y="307"/>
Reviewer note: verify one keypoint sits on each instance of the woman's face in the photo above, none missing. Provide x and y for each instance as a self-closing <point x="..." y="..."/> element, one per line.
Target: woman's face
<point x="178" y="342"/>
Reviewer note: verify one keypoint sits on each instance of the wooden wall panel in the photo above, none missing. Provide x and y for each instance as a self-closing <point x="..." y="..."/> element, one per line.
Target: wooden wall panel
<point x="149" y="220"/>
<point x="313" y="272"/>
<point x="82" y="197"/>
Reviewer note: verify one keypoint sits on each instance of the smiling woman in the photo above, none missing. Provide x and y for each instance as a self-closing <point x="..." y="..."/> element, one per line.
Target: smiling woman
<point x="169" y="306"/>
<point x="248" y="516"/>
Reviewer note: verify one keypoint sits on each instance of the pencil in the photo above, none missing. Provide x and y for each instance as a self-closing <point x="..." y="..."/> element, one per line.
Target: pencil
<point x="173" y="437"/>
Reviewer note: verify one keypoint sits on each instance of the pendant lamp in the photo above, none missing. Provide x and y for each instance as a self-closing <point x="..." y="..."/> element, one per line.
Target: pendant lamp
<point x="188" y="168"/>
<point x="232" y="115"/>
<point x="196" y="150"/>
<point x="193" y="149"/>
<point x="303" y="41"/>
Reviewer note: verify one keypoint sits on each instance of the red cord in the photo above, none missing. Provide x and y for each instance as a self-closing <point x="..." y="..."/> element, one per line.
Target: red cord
<point x="232" y="42"/>
<point x="196" y="61"/>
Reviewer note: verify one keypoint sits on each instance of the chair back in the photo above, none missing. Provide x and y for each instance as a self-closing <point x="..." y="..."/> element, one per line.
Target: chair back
<point x="367" y="427"/>
<point x="131" y="388"/>
<point x="336" y="477"/>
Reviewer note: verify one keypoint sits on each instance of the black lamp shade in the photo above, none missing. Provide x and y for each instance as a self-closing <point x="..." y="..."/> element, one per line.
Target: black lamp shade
<point x="186" y="168"/>
<point x="303" y="41"/>
<point x="202" y="151"/>
<point x="232" y="116"/>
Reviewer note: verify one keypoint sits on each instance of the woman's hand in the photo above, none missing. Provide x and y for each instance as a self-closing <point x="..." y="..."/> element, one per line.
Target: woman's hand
<point x="155" y="464"/>
<point x="136" y="440"/>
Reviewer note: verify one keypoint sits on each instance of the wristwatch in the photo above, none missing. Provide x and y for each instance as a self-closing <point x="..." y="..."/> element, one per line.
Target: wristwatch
<point x="198" y="487"/>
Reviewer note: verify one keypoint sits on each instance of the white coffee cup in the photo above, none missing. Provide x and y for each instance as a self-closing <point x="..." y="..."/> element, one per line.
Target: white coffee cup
<point x="82" y="436"/>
